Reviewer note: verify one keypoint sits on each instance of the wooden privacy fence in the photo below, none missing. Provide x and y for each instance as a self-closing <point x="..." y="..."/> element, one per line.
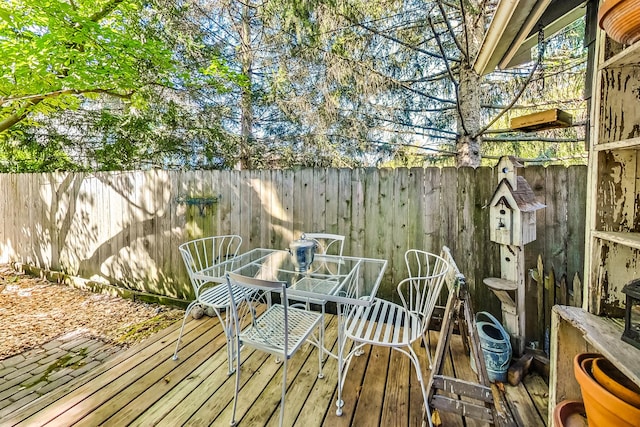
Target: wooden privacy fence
<point x="124" y="228"/>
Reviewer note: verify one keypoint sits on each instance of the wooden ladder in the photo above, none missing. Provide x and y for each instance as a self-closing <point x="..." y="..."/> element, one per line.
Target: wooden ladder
<point x="488" y="403"/>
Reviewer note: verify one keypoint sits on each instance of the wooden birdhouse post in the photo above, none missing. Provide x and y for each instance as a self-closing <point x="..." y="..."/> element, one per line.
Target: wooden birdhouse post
<point x="512" y="211"/>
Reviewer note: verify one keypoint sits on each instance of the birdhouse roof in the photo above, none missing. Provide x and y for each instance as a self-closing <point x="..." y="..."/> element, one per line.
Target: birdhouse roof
<point x="513" y="159"/>
<point x="523" y="197"/>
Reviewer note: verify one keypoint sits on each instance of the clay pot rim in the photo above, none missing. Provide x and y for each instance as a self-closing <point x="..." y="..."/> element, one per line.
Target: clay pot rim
<point x="578" y="358"/>
<point x="593" y="383"/>
<point x="599" y="364"/>
<point x="599" y="403"/>
<point x="565" y="409"/>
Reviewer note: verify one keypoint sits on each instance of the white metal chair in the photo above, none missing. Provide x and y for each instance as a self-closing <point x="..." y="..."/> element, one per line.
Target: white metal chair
<point x="280" y="330"/>
<point x="329" y="244"/>
<point x="210" y="253"/>
<point x="399" y="326"/>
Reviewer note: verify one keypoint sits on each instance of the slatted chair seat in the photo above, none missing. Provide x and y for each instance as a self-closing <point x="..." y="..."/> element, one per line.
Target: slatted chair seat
<point x="217" y="296"/>
<point x="267" y="334"/>
<point x="383" y="323"/>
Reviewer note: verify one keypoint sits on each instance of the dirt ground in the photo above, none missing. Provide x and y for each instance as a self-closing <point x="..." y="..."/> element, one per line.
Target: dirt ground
<point x="34" y="311"/>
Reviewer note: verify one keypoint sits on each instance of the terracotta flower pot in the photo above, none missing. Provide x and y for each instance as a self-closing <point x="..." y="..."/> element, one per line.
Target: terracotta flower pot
<point x="620" y="19"/>
<point x="603" y="408"/>
<point x="609" y="377"/>
<point x="569" y="413"/>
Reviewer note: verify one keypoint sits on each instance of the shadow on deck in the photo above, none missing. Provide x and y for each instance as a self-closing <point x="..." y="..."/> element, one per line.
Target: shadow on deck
<point x="143" y="386"/>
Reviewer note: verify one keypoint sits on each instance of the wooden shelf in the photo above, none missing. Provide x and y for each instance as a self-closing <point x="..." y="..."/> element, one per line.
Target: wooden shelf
<point x="548" y="119"/>
<point x="624" y="238"/>
<point x="575" y="331"/>
<point x="610" y="256"/>
<point x="500" y="284"/>
<point x="604" y="336"/>
<point x="625" y="144"/>
<point x="629" y="56"/>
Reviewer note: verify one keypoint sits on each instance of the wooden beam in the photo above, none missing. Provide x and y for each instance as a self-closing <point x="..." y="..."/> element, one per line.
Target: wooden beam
<point x="463" y="388"/>
<point x="462" y="407"/>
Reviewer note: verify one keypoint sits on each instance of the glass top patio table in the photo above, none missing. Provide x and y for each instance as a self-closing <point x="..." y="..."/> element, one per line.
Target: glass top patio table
<point x="340" y="279"/>
<point x="347" y="281"/>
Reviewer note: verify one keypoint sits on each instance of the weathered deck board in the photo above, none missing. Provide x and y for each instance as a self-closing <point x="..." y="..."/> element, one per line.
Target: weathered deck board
<point x="151" y="345"/>
<point x="372" y="391"/>
<point x="351" y="388"/>
<point x="539" y="392"/>
<point x="526" y="413"/>
<point x="144" y="386"/>
<point x="108" y="385"/>
<point x="398" y="379"/>
<point x="155" y="383"/>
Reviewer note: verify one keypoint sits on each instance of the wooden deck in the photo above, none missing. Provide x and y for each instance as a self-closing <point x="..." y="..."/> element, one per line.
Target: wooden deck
<point x="143" y="386"/>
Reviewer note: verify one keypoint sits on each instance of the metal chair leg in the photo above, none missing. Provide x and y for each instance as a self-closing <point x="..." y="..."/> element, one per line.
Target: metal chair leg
<point x="184" y="320"/>
<point x="416" y="365"/>
<point x="237" y="388"/>
<point x="321" y="346"/>
<point x="284" y="390"/>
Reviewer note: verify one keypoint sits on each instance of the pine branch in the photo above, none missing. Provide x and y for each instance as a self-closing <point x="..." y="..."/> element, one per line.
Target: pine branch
<point x="513" y="101"/>
<point x="398" y="83"/>
<point x="402" y="43"/>
<point x="456" y="84"/>
<point x="463" y="52"/>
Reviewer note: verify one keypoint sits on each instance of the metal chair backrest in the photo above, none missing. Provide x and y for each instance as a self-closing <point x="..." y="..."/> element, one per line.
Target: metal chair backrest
<point x="330" y="244"/>
<point x="207" y="252"/>
<point x="420" y="291"/>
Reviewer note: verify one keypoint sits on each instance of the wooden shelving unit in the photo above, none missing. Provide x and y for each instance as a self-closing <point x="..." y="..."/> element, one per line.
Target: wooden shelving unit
<point x="613" y="240"/>
<point x="612" y="244"/>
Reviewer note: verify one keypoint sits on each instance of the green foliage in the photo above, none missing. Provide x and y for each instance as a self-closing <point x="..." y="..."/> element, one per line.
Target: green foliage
<point x="34" y="156"/>
<point x="162" y="136"/>
<point x="558" y="83"/>
<point x="53" y="51"/>
<point x="136" y="84"/>
<point x="60" y="57"/>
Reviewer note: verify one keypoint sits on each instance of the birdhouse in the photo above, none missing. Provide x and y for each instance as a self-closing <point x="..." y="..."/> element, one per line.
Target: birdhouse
<point x="512" y="207"/>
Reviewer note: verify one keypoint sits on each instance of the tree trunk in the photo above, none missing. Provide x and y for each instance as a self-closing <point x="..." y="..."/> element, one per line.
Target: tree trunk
<point x="469" y="104"/>
<point x="246" y="102"/>
<point x="469" y="89"/>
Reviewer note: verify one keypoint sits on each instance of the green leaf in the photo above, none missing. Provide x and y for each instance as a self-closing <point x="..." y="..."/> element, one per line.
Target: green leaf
<point x="5" y="15"/>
